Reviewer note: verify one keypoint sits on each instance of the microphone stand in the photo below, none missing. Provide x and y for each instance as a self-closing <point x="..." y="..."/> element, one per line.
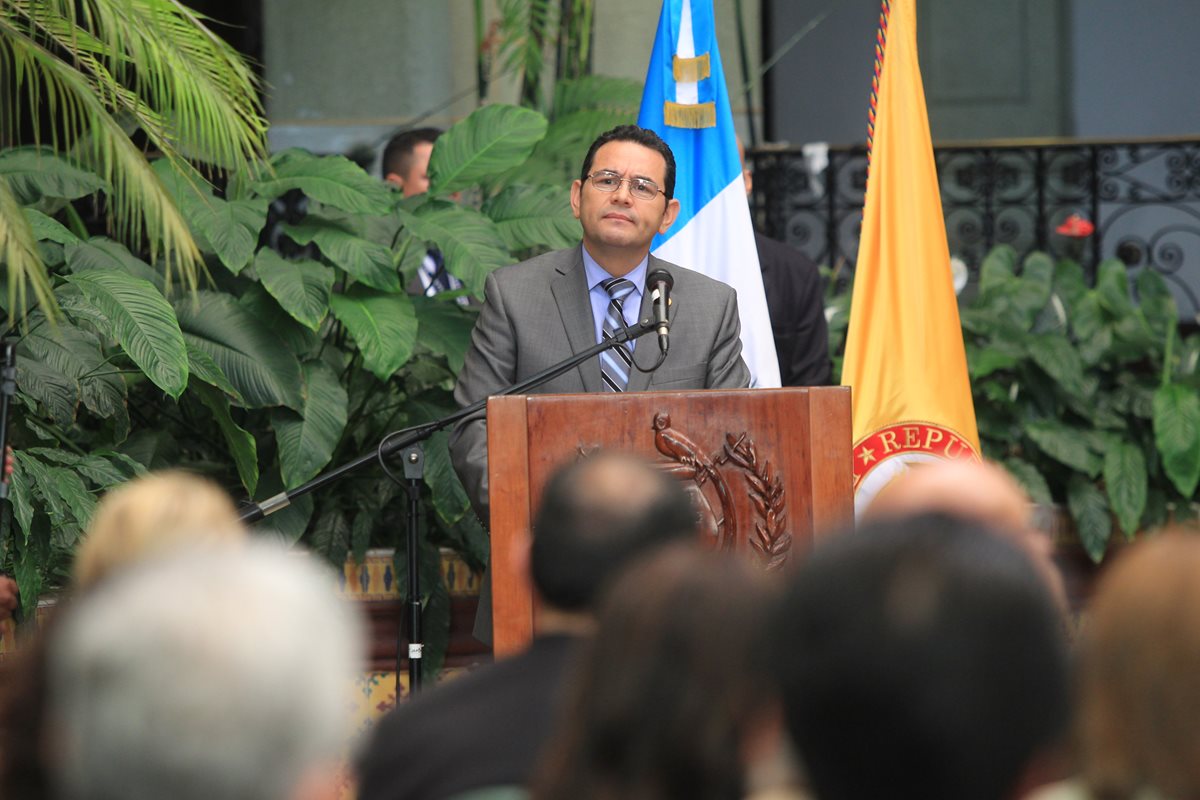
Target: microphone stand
<point x="409" y="442"/>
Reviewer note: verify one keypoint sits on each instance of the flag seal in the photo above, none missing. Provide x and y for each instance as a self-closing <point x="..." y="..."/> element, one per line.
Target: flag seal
<point x="883" y="454"/>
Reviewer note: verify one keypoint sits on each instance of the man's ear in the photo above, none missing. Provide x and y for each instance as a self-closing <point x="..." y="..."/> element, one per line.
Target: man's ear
<point x="395" y="180"/>
<point x="669" y="215"/>
<point x="576" y="195"/>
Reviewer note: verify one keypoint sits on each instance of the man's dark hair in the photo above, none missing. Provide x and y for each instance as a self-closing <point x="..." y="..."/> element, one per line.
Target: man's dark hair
<point x="920" y="658"/>
<point x="643" y="136"/>
<point x="397" y="155"/>
<point x="597" y="515"/>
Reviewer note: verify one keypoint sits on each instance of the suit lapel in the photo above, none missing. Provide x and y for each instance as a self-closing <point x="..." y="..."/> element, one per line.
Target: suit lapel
<point x="571" y="295"/>
<point x="646" y="351"/>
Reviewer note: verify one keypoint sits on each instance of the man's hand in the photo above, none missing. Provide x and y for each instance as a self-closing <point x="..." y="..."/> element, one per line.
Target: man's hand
<point x="8" y="597"/>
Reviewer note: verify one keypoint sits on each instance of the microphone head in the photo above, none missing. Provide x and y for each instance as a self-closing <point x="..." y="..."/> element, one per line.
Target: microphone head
<point x="658" y="276"/>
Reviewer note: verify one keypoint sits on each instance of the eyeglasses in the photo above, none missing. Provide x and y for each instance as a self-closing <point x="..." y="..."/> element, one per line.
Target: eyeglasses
<point x="641" y="188"/>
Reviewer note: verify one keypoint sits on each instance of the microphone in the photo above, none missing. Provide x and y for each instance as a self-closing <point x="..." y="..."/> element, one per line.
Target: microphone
<point x="660" y="282"/>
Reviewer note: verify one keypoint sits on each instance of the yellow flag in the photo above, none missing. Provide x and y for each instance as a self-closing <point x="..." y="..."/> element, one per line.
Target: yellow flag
<point x="904" y="349"/>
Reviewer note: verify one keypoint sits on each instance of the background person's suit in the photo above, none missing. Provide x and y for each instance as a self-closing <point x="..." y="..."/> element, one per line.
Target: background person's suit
<point x="797" y="307"/>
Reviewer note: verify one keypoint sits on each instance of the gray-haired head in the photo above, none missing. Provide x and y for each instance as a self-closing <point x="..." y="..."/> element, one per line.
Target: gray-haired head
<point x="211" y="674"/>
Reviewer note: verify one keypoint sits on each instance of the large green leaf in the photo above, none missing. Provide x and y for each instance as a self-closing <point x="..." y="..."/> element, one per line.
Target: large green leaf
<point x="1064" y="444"/>
<point x="76" y="354"/>
<point x="37" y="172"/>
<point x="445" y="328"/>
<point x="1089" y="509"/>
<point x="143" y="322"/>
<point x="491" y="140"/>
<point x="1029" y="478"/>
<point x="202" y="366"/>
<point x="242" y="445"/>
<point x="1126" y="482"/>
<point x="363" y="259"/>
<point x="534" y="216"/>
<point x="48" y="228"/>
<point x="301" y="287"/>
<point x="299" y="339"/>
<point x="1177" y="434"/>
<point x="245" y="347"/>
<point x="1156" y="303"/>
<point x="331" y="536"/>
<point x="100" y="252"/>
<point x="383" y="325"/>
<point x="468" y="240"/>
<point x="449" y="497"/>
<point x="1112" y="287"/>
<point x="288" y="523"/>
<point x="334" y="180"/>
<point x="1060" y="360"/>
<point x="998" y="267"/>
<point x="1070" y="283"/>
<point x="307" y="440"/>
<point x="58" y="393"/>
<point x="229" y="228"/>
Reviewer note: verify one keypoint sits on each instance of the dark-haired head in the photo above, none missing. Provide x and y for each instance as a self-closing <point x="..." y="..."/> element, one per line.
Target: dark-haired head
<point x="643" y="136"/>
<point x="398" y="153"/>
<point x="920" y="657"/>
<point x="670" y="686"/>
<point x="596" y="516"/>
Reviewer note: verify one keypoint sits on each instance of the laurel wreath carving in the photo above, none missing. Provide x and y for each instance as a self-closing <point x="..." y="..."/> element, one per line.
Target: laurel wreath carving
<point x="772" y="541"/>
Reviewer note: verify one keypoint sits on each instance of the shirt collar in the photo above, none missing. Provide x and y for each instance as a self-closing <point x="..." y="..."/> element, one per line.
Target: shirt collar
<point x="597" y="274"/>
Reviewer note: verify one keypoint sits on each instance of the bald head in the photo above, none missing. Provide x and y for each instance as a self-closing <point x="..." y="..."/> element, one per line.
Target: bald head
<point x="597" y="515"/>
<point x="975" y="490"/>
<point x="980" y="491"/>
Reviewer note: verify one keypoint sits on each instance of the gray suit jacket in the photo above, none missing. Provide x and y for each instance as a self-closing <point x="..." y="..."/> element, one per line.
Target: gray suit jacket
<point x="537" y="314"/>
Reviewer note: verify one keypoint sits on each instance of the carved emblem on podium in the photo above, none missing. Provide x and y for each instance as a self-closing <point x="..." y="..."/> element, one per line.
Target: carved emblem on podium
<point x="706" y="480"/>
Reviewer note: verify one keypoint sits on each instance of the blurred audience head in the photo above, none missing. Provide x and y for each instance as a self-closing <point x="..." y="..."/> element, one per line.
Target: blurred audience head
<point x="670" y="685"/>
<point x="152" y="515"/>
<point x="976" y="490"/>
<point x="405" y="162"/>
<point x="597" y="515"/>
<point x="208" y="674"/>
<point x="920" y="657"/>
<point x="1139" y="673"/>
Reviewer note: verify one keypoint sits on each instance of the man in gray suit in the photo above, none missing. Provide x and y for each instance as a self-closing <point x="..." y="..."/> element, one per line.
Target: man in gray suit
<point x="541" y="311"/>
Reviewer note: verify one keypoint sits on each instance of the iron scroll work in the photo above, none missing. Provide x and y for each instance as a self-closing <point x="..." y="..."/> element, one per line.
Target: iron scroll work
<point x="1143" y="198"/>
<point x="705" y="477"/>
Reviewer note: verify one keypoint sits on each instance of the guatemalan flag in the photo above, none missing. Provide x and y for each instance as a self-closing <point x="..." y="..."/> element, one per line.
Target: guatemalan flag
<point x="686" y="103"/>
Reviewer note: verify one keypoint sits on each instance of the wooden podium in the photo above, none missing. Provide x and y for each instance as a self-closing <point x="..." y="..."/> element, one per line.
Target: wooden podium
<point x="767" y="468"/>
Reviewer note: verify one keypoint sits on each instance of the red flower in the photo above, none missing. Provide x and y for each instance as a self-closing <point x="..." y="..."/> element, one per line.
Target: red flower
<point x="1076" y="227"/>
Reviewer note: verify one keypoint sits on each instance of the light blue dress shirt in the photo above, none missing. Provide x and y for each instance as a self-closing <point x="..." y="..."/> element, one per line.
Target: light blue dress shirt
<point x="596" y="275"/>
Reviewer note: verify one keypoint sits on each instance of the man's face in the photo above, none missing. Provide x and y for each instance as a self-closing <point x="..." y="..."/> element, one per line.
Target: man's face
<point x="416" y="180"/>
<point x="618" y="220"/>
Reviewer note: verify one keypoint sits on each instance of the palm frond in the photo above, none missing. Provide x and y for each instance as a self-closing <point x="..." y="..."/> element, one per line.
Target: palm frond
<point x="19" y="256"/>
<point x="140" y="203"/>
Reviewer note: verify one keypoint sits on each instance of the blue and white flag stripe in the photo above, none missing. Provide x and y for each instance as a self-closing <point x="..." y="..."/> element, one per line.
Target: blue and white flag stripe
<point x="713" y="233"/>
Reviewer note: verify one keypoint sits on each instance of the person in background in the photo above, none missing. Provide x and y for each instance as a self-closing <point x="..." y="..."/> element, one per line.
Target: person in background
<point x="146" y="518"/>
<point x="597" y="516"/>
<point x="796" y="305"/>
<point x="195" y="676"/>
<point x="405" y="165"/>
<point x="923" y="658"/>
<point x="671" y="686"/>
<point x="978" y="490"/>
<point x="1138" y="677"/>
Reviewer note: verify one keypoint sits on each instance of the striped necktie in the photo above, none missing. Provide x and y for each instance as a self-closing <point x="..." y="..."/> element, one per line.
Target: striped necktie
<point x="616" y="362"/>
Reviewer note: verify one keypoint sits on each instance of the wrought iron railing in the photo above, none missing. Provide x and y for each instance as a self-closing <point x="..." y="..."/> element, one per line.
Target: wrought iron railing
<point x="1142" y="197"/>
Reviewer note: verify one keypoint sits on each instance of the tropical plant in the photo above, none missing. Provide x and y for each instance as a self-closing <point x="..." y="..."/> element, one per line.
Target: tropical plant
<point x="1087" y="396"/>
<point x="286" y="365"/>
<point x="81" y="77"/>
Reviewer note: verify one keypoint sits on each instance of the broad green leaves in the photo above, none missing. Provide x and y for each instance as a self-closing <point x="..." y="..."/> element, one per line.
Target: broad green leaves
<point x="1177" y="434"/>
<point x="245" y="349"/>
<point x="334" y="180"/>
<point x="307" y="440"/>
<point x="38" y="172"/>
<point x="533" y="216"/>
<point x="142" y="321"/>
<point x="468" y="240"/>
<point x="491" y="140"/>
<point x="383" y="325"/>
<point x="302" y="287"/>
